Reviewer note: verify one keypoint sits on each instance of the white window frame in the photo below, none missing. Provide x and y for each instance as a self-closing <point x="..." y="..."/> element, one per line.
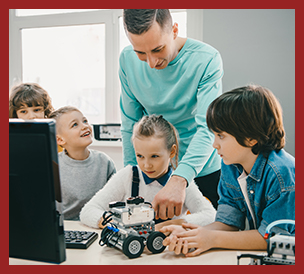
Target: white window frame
<point x="111" y="20"/>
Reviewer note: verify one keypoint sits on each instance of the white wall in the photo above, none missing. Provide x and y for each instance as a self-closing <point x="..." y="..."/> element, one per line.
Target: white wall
<point x="257" y="46"/>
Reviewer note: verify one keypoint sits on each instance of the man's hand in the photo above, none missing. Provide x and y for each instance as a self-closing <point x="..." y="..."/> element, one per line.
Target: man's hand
<point x="170" y="199"/>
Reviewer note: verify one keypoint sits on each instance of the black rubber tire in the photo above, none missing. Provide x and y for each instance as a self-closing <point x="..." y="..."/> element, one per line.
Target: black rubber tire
<point x="155" y="242"/>
<point x="133" y="246"/>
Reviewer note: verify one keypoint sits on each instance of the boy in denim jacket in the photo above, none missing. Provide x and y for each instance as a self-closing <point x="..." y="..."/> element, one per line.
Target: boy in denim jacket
<point x="257" y="184"/>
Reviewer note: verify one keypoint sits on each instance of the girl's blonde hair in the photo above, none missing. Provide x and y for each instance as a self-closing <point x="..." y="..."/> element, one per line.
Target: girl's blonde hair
<point x="30" y="95"/>
<point x="158" y="127"/>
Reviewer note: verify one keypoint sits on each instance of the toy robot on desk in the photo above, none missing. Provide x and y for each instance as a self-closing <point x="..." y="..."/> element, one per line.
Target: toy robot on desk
<point x="280" y="248"/>
<point x="132" y="228"/>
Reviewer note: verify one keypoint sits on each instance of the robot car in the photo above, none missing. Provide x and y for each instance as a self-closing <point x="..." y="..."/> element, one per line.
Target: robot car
<point x="132" y="228"/>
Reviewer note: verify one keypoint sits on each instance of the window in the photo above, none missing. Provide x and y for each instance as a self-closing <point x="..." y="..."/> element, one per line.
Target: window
<point x="74" y="55"/>
<point x="29" y="12"/>
<point x="69" y="62"/>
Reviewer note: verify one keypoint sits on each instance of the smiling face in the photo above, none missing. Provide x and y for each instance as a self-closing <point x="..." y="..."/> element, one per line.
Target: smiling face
<point x="152" y="156"/>
<point x="232" y="152"/>
<point x="29" y="113"/>
<point x="157" y="46"/>
<point x="73" y="130"/>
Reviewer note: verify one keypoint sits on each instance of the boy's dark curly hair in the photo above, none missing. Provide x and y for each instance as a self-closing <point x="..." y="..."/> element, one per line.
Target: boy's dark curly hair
<point x="250" y="112"/>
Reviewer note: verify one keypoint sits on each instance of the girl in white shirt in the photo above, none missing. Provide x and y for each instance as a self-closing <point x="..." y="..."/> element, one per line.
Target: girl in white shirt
<point x="156" y="148"/>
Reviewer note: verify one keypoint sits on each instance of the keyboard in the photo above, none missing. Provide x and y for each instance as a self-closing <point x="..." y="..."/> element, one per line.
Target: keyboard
<point x="79" y="239"/>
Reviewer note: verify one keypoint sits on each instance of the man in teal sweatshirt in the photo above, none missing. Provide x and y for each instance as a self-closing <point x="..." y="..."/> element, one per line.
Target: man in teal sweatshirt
<point x="161" y="73"/>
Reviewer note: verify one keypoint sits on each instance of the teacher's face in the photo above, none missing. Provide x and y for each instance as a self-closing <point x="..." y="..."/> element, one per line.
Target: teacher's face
<point x="157" y="46"/>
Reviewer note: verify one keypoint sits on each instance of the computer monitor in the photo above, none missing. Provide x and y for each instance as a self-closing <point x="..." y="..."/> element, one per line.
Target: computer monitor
<point x="36" y="229"/>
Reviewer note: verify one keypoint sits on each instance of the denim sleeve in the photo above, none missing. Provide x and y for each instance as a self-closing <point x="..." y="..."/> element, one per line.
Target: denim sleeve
<point x="230" y="215"/>
<point x="228" y="212"/>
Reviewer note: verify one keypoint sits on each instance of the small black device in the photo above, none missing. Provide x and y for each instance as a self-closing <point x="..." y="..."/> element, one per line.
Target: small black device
<point x="35" y="192"/>
<point x="79" y="239"/>
<point x="107" y="132"/>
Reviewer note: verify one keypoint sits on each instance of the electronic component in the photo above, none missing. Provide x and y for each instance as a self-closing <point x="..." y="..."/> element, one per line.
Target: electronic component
<point x="280" y="248"/>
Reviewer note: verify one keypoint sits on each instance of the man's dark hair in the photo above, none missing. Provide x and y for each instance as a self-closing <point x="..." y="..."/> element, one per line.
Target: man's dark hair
<point x="139" y="21"/>
<point x="250" y="112"/>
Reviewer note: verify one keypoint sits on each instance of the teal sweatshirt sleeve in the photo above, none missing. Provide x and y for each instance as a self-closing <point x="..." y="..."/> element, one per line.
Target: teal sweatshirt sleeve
<point x="192" y="163"/>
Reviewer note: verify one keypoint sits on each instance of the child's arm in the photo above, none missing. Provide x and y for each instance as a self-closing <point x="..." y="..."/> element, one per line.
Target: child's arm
<point x="114" y="190"/>
<point x="201" y="209"/>
<point x="215" y="235"/>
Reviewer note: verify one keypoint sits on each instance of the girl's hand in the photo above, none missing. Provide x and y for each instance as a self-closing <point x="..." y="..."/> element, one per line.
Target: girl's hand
<point x="178" y="222"/>
<point x="190" y="236"/>
<point x="198" y="238"/>
<point x="178" y="245"/>
<point x="170" y="231"/>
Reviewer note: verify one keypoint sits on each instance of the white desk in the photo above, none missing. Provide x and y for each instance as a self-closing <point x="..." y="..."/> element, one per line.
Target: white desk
<point x="103" y="255"/>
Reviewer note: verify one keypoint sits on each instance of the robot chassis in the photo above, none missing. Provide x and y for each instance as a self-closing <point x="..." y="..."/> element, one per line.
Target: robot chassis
<point x="132" y="228"/>
<point x="281" y="249"/>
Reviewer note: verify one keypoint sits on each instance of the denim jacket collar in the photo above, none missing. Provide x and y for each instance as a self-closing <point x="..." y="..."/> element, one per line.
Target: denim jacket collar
<point x="257" y="169"/>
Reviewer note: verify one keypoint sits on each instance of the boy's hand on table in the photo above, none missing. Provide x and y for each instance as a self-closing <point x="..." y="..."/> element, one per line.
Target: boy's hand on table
<point x="189" y="236"/>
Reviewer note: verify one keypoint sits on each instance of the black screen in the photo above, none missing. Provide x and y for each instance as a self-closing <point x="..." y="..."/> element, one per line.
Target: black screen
<point x="35" y="223"/>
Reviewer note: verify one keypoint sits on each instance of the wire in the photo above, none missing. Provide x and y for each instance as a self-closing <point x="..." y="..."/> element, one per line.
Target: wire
<point x="106" y="219"/>
<point x="271" y="225"/>
<point x="148" y="203"/>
